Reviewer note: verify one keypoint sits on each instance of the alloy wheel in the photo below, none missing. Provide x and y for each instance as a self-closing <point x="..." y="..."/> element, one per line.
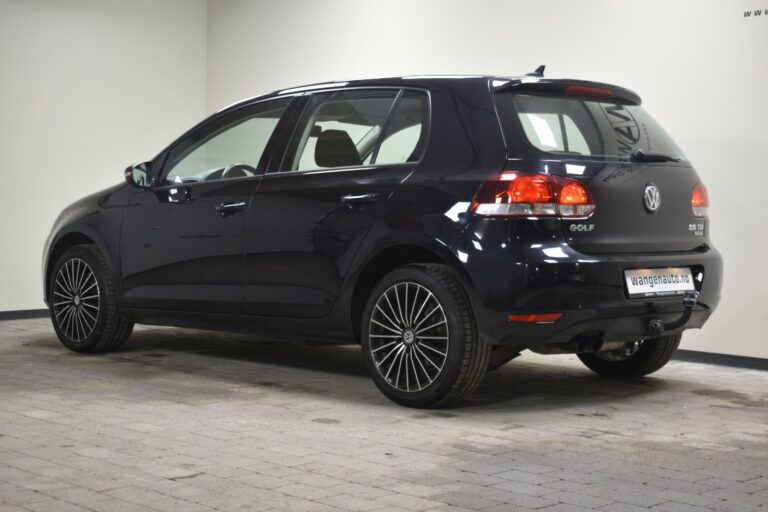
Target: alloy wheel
<point x="408" y="334"/>
<point x="76" y="299"/>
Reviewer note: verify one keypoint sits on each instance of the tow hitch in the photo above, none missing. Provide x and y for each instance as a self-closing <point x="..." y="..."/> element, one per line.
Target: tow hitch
<point x="656" y="327"/>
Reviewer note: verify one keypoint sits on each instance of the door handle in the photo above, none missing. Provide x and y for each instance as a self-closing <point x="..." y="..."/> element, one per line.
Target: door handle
<point x="229" y="208"/>
<point x="360" y="198"/>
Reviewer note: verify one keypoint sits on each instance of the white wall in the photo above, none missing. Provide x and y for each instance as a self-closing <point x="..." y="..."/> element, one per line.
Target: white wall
<point x="699" y="65"/>
<point x="86" y="88"/>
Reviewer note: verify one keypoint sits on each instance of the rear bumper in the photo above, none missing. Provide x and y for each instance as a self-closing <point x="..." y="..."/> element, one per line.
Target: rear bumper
<point x="524" y="276"/>
<point x="588" y="326"/>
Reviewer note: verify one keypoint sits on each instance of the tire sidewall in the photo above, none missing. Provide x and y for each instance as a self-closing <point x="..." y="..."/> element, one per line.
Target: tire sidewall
<point x="92" y="260"/>
<point x="457" y="339"/>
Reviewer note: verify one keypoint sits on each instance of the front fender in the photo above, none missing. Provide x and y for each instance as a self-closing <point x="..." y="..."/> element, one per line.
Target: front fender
<point x="95" y="219"/>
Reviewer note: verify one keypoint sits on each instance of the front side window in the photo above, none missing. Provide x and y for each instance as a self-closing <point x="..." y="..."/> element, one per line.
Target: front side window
<point x="231" y="150"/>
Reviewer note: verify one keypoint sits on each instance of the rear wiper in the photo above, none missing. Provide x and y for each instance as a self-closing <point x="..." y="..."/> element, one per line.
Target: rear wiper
<point x="640" y="155"/>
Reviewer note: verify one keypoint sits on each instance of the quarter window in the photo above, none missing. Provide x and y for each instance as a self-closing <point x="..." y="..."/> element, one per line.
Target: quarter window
<point x="405" y="133"/>
<point x="231" y="150"/>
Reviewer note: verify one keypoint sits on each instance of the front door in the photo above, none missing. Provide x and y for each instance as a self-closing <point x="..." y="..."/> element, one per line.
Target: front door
<point x="182" y="240"/>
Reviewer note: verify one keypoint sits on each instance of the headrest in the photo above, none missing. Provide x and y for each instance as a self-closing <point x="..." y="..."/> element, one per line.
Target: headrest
<point x="335" y="148"/>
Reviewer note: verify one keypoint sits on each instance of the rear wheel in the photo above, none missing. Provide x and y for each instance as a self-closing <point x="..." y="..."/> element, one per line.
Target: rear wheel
<point x="82" y="302"/>
<point x="420" y="343"/>
<point x="636" y="360"/>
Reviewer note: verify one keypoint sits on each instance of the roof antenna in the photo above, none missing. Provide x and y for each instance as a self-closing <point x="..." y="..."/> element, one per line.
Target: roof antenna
<point x="539" y="71"/>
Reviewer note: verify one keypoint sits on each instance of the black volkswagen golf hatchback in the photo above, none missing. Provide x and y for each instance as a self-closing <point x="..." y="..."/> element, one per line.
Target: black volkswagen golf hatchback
<point x="444" y="223"/>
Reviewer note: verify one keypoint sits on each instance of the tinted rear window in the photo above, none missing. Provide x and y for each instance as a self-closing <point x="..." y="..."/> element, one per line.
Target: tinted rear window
<point x="574" y="128"/>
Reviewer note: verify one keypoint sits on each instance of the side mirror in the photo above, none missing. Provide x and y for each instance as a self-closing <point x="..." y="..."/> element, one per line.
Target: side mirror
<point x="138" y="175"/>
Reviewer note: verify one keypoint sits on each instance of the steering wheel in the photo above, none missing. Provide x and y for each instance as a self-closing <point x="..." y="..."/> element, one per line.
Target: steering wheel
<point x="238" y="171"/>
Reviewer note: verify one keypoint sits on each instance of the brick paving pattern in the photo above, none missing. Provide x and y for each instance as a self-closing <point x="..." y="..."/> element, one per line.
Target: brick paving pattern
<point x="190" y="421"/>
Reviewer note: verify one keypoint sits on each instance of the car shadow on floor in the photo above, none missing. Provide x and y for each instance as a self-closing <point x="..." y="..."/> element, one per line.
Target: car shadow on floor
<point x="519" y="385"/>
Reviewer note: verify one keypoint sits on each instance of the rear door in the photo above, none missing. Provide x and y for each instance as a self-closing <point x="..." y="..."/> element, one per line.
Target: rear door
<point x="642" y="205"/>
<point x="182" y="241"/>
<point x="349" y="152"/>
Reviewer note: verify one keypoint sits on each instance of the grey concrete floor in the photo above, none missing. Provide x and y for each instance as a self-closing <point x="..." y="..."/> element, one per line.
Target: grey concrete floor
<point x="189" y="420"/>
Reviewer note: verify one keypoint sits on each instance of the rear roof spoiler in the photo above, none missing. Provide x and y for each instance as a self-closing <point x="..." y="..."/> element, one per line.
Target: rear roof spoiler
<point x="594" y="91"/>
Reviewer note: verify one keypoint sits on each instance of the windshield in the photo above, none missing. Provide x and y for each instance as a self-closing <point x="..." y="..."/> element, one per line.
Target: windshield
<point x="575" y="128"/>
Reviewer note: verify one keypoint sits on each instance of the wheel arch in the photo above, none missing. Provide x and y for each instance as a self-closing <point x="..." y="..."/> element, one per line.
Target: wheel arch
<point x="63" y="242"/>
<point x="387" y="259"/>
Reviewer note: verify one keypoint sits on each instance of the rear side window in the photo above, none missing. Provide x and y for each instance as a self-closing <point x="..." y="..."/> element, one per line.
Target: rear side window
<point x="342" y="129"/>
<point x="574" y="128"/>
<point x="360" y="127"/>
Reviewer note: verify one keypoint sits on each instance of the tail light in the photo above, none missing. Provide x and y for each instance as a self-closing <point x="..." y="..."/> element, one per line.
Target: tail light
<point x="700" y="201"/>
<point x="517" y="194"/>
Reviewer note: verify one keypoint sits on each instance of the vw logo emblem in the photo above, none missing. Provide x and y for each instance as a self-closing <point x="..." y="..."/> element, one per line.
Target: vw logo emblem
<point x="652" y="198"/>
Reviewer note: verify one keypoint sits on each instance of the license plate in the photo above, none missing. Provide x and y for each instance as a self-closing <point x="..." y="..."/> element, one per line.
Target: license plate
<point x="652" y="282"/>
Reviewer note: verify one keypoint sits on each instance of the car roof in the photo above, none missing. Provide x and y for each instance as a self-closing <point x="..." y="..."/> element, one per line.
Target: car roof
<point x="497" y="83"/>
<point x="419" y="81"/>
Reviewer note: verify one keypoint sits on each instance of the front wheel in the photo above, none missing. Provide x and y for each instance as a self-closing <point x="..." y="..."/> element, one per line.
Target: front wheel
<point x="82" y="301"/>
<point x="637" y="360"/>
<point x="420" y="344"/>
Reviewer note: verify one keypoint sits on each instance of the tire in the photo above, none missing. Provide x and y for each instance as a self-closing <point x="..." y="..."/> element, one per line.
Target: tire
<point x="444" y="361"/>
<point x="651" y="355"/>
<point x="81" y="296"/>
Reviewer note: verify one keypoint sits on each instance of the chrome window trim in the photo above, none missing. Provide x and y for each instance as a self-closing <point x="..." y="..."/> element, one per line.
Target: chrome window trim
<point x="277" y="174"/>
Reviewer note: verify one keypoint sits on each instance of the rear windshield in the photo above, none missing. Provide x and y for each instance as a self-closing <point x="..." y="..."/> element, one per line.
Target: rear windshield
<point x="574" y="128"/>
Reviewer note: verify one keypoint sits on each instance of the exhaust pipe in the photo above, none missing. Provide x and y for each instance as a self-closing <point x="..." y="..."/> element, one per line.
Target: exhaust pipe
<point x="612" y="345"/>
